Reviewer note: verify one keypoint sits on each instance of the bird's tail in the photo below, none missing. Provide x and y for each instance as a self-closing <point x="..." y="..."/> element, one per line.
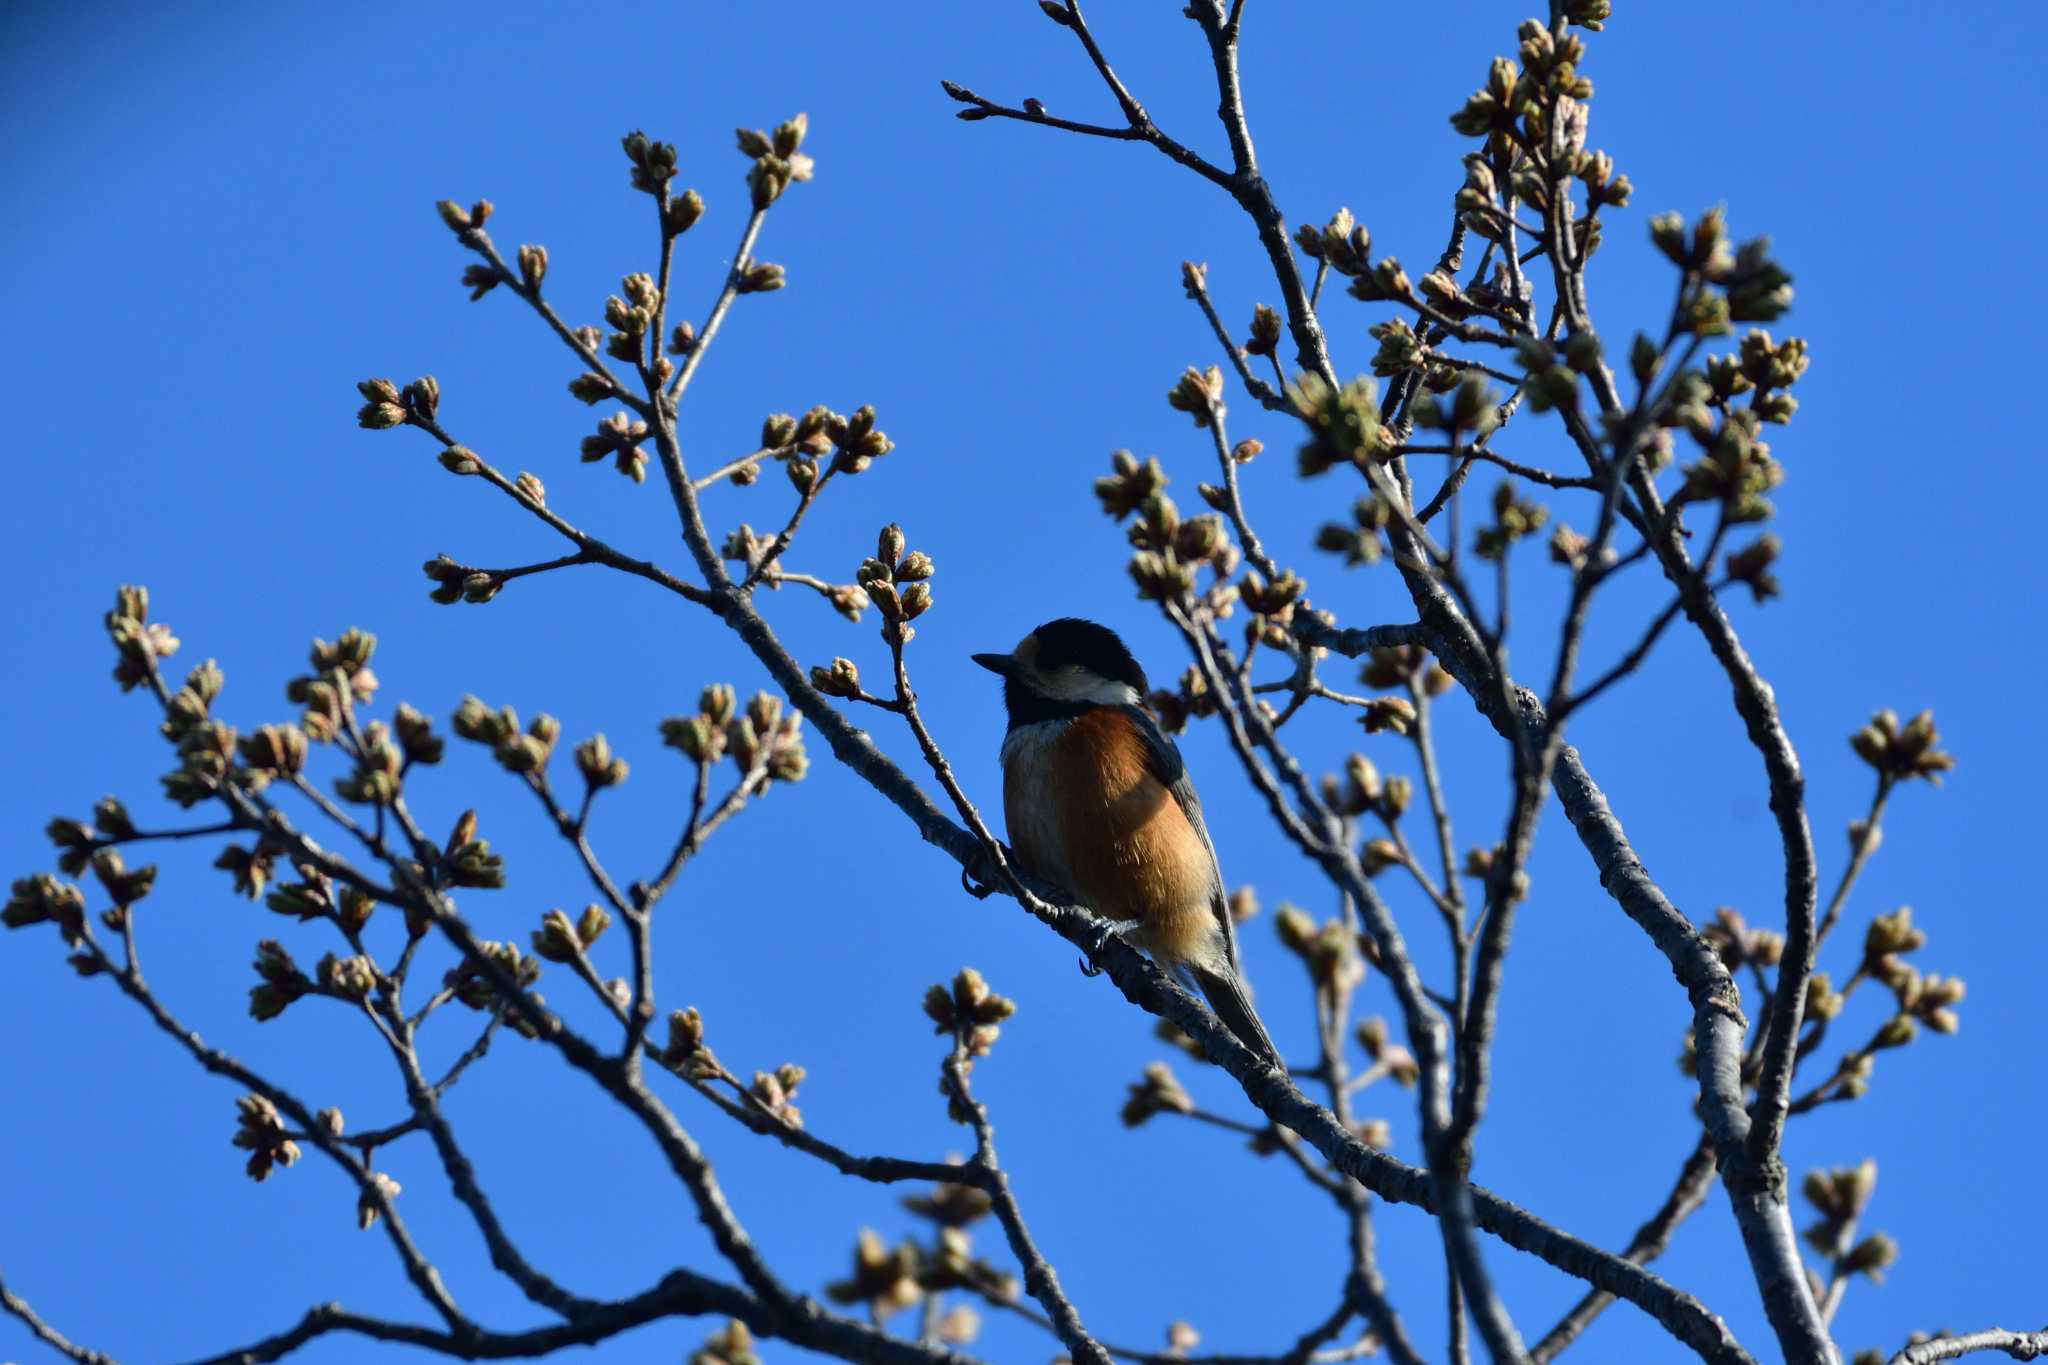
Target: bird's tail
<point x="1227" y="996"/>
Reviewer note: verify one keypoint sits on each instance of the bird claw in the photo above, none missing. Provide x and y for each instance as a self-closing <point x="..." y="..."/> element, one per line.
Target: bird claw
<point x="978" y="890"/>
<point x="1107" y="932"/>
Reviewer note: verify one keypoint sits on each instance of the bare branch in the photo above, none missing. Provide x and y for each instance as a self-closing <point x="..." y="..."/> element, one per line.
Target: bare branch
<point x="2018" y="1345"/>
<point x="18" y="1307"/>
<point x="1040" y="1281"/>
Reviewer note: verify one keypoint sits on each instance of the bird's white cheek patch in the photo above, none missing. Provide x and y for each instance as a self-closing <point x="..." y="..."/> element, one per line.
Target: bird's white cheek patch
<point x="1075" y="684"/>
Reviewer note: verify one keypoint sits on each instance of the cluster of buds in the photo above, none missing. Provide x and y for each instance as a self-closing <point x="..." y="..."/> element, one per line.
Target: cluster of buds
<point x="1513" y="519"/>
<point x="654" y="163"/>
<point x="466" y="861"/>
<point x="1198" y="393"/>
<point x="1823" y="1001"/>
<point x="1928" y="999"/>
<point x="950" y="1205"/>
<point x="379" y="769"/>
<point x="347" y="978"/>
<point x="764" y="737"/>
<point x="1400" y="348"/>
<point x="1343" y="424"/>
<point x="124" y="885"/>
<point x="1839" y="1196"/>
<point x="517" y="751"/>
<point x="968" y="1010"/>
<point x="138" y="641"/>
<point x="249" y="868"/>
<point x="311" y="897"/>
<point x="385" y="405"/>
<point x="341" y="676"/>
<point x="1736" y="471"/>
<point x="775" y="1092"/>
<point x="1764" y="368"/>
<point x="1604" y="184"/>
<point x="1391" y="666"/>
<point x="1359" y="543"/>
<point x="44" y="899"/>
<point x="1534" y="119"/>
<point x="274" y="750"/>
<point x="1273" y="603"/>
<point x="191" y="705"/>
<point x="841" y="679"/>
<point x="1330" y="951"/>
<point x="685" y="1052"/>
<point x="1159" y="1091"/>
<point x="1553" y="382"/>
<point x="1265" y="337"/>
<point x="479" y="278"/>
<point x="1471" y="409"/>
<point x="75" y="841"/>
<point x="758" y="277"/>
<point x="533" y="266"/>
<point x="559" y="939"/>
<point x="854" y="441"/>
<point x="1738" y="945"/>
<point x="1570" y="548"/>
<point x="353" y="912"/>
<point x="1751" y="566"/>
<point x="618" y="436"/>
<point x="1389" y="1056"/>
<point x="778" y="162"/>
<point x="1342" y="244"/>
<point x="949" y="1263"/>
<point x="1125" y="490"/>
<point x="600" y="767"/>
<point x="1385" y="282"/>
<point x="259" y="1131"/>
<point x="375" y="1184"/>
<point x="884" y="1280"/>
<point x="1900" y="753"/>
<point x="1755" y="288"/>
<point x="1169" y="551"/>
<point x="280" y="981"/>
<point x="1885" y="945"/>
<point x="630" y="319"/>
<point x="205" y="760"/>
<point x="416" y="737"/>
<point x="1192" y="698"/>
<point x="1362" y="791"/>
<point x="732" y="1344"/>
<point x="897" y="581"/>
<point x="470" y="980"/>
<point x="461" y="220"/>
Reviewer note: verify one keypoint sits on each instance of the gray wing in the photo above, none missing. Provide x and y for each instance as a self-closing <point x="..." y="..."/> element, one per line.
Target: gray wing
<point x="1164" y="762"/>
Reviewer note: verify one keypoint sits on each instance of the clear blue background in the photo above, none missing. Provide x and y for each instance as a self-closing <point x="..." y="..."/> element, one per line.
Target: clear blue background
<point x="217" y="220"/>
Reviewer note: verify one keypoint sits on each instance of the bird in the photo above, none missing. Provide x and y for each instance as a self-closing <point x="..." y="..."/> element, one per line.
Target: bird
<point x="1098" y="802"/>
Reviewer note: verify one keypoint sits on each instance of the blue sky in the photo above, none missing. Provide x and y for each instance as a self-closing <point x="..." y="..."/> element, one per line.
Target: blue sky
<point x="218" y="221"/>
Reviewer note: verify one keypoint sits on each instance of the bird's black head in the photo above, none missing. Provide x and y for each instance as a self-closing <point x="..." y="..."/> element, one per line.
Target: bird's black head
<point x="1063" y="668"/>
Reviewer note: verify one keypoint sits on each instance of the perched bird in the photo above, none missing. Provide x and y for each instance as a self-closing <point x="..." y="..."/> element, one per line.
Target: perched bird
<point x="1098" y="802"/>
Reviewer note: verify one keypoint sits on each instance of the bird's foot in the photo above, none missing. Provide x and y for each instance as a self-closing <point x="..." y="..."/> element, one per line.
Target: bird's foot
<point x="1106" y="931"/>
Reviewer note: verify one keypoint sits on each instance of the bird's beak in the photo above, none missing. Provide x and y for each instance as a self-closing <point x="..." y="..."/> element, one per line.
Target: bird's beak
<point x="1000" y="664"/>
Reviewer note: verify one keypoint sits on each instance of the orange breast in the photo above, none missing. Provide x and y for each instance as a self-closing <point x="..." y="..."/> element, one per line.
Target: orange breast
<point x="1085" y="812"/>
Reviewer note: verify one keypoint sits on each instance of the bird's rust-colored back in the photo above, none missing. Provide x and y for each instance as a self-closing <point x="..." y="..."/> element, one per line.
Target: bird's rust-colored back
<point x="1088" y="814"/>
